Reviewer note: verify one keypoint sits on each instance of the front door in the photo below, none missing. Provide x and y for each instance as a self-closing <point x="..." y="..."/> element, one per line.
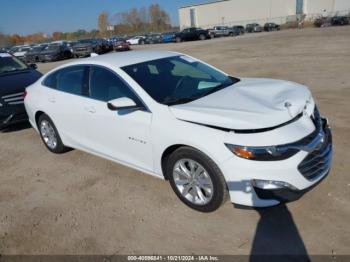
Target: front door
<point x="122" y="135"/>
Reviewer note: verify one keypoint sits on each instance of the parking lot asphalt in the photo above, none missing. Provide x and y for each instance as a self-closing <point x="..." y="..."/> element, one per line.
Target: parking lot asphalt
<point x="77" y="203"/>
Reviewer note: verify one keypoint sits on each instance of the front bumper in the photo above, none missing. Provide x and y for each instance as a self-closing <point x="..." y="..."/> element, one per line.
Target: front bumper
<point x="49" y="58"/>
<point x="10" y="115"/>
<point x="240" y="175"/>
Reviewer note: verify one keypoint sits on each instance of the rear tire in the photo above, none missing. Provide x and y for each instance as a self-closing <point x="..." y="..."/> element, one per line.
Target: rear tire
<point x="50" y="135"/>
<point x="202" y="185"/>
<point x="202" y="37"/>
<point x="178" y="40"/>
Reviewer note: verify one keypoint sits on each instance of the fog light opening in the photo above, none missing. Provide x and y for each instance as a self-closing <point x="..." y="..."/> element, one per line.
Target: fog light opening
<point x="272" y="185"/>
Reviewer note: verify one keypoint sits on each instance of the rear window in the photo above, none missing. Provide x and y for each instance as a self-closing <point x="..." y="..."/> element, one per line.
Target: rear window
<point x="70" y="80"/>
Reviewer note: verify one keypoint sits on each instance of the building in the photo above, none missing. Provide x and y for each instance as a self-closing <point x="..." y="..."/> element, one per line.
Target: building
<point x="241" y="12"/>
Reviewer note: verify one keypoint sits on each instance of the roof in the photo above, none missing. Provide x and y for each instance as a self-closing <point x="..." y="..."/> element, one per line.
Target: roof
<point x="206" y="3"/>
<point x="125" y="58"/>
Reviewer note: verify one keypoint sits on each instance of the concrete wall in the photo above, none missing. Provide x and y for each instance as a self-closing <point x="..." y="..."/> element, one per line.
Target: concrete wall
<point x="330" y="6"/>
<point x="241" y="12"/>
<point x="233" y="12"/>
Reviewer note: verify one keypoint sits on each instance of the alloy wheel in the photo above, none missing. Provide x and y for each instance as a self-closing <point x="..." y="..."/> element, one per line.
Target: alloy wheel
<point x="48" y="134"/>
<point x="193" y="181"/>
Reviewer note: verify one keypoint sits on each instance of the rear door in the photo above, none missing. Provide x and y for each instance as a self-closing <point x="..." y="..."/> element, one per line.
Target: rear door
<point x="65" y="102"/>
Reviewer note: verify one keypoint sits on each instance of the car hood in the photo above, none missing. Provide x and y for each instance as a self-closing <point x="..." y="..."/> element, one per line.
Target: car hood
<point x="17" y="81"/>
<point x="22" y="53"/>
<point x="247" y="105"/>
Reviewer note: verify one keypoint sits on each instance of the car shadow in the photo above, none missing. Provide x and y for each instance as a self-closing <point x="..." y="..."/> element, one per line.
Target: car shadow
<point x="277" y="237"/>
<point x="16" y="127"/>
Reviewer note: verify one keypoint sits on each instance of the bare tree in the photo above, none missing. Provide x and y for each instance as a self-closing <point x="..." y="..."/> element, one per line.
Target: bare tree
<point x="159" y="19"/>
<point x="103" y="23"/>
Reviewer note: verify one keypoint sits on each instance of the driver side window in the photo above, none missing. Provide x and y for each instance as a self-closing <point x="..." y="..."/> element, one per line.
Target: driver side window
<point x="106" y="86"/>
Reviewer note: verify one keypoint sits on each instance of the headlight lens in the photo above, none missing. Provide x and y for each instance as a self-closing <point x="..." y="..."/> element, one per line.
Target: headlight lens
<point x="270" y="153"/>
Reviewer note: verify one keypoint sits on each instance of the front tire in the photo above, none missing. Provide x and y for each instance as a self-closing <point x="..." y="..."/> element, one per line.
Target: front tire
<point x="50" y="136"/>
<point x="196" y="179"/>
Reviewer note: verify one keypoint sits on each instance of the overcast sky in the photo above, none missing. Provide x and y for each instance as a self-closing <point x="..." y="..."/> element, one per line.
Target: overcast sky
<point x="30" y="16"/>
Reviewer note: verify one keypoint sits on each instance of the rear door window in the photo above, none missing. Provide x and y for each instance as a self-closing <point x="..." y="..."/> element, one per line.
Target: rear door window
<point x="70" y="80"/>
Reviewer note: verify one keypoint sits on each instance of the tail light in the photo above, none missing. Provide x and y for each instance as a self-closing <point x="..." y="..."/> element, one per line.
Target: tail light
<point x="25" y="93"/>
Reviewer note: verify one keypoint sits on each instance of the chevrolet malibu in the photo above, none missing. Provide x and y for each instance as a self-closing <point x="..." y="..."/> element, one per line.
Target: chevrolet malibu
<point x="258" y="142"/>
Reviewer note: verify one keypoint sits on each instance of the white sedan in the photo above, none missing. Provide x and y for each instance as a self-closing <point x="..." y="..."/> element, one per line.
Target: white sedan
<point x="259" y="142"/>
<point x="136" y="40"/>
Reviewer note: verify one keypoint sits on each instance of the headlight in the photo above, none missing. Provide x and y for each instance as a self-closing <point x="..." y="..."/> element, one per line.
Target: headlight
<point x="270" y="153"/>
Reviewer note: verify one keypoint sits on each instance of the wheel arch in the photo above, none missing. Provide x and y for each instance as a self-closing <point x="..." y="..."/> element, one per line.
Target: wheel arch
<point x="166" y="154"/>
<point x="37" y="116"/>
<point x="172" y="148"/>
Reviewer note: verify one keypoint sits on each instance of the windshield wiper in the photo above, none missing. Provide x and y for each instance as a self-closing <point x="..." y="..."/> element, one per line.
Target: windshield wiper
<point x="13" y="71"/>
<point x="177" y="101"/>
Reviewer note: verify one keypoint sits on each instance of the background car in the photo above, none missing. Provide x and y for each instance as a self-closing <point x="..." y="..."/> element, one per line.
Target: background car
<point x="192" y="33"/>
<point x="340" y="20"/>
<point x="253" y="28"/>
<point x="15" y="76"/>
<point x="136" y="40"/>
<point x="120" y="44"/>
<point x="219" y="31"/>
<point x="55" y="52"/>
<point x="153" y="39"/>
<point x="21" y="51"/>
<point x="239" y="28"/>
<point x="168" y="37"/>
<point x="85" y="47"/>
<point x="323" y="22"/>
<point x="33" y="55"/>
<point x="268" y="27"/>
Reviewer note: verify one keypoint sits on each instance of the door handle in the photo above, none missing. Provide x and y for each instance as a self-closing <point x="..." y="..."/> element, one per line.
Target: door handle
<point x="90" y="109"/>
<point x="52" y="100"/>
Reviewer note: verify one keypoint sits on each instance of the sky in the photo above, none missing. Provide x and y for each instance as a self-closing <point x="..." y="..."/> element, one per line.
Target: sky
<point x="31" y="16"/>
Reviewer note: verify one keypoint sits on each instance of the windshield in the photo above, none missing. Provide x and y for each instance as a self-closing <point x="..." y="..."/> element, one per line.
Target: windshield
<point x="10" y="64"/>
<point x="178" y="79"/>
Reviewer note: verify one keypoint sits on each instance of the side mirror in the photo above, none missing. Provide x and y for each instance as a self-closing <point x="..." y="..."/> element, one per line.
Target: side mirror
<point x="122" y="104"/>
<point x="33" y="66"/>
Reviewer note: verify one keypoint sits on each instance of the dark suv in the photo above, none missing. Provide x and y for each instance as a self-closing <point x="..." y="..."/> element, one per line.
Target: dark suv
<point x="15" y="76"/>
<point x="239" y="28"/>
<point x="268" y="27"/>
<point x="340" y="20"/>
<point x="55" y="52"/>
<point x="33" y="55"/>
<point x="192" y="33"/>
<point x="87" y="46"/>
<point x="253" y="28"/>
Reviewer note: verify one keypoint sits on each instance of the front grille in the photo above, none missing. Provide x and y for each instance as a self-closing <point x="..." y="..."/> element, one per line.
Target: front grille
<point x="318" y="162"/>
<point x="13" y="99"/>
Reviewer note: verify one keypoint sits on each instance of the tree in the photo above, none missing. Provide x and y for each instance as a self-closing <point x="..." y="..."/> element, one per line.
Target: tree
<point x="103" y="23"/>
<point x="57" y="36"/>
<point x="159" y="19"/>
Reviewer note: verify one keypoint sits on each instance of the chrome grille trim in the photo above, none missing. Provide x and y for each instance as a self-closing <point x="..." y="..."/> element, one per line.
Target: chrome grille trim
<point x="13" y="95"/>
<point x="318" y="162"/>
<point x="14" y="99"/>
